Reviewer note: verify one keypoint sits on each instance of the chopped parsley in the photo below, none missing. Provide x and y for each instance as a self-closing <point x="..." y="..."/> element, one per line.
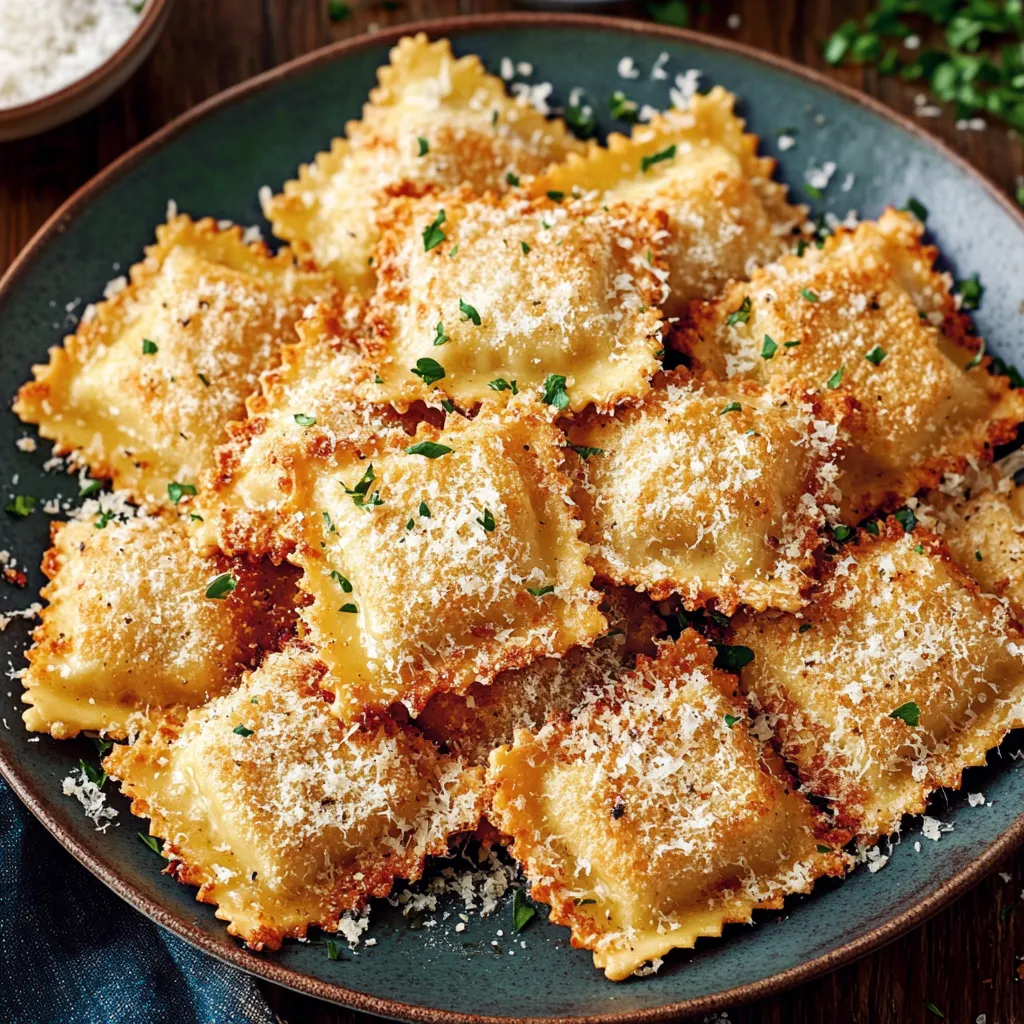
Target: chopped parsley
<point x="842" y="533"/>
<point x="440" y="338"/>
<point x="343" y="581"/>
<point x="21" y="505"/>
<point x="500" y="384"/>
<point x="149" y="347"/>
<point x="156" y="845"/>
<point x="424" y="146"/>
<point x="971" y="289"/>
<point x="668" y="153"/>
<point x="718" y="618"/>
<point x="790" y="344"/>
<point x="469" y="313"/>
<point x="95" y="775"/>
<point x="740" y="315"/>
<point x="932" y="1008"/>
<point x="447" y="405"/>
<point x="918" y="209"/>
<point x="525" y="247"/>
<point x="804" y="627"/>
<point x="433" y="236"/>
<point x="730" y="407"/>
<point x="240" y="730"/>
<point x="202" y="377"/>
<point x="87" y="488"/>
<point x="176" y="491"/>
<point x="580" y="120"/>
<point x="556" y="196"/>
<point x="487" y="521"/>
<point x="978" y="556"/>
<point x="304" y="419"/>
<point x="919" y="548"/>
<point x="512" y="179"/>
<point x="976" y="358"/>
<point x="428" y="370"/>
<point x="102" y="519"/>
<point x="584" y="452"/>
<point x="554" y="391"/>
<point x="876" y="355"/>
<point x="541" y="591"/>
<point x="732" y="657"/>
<point x="809" y="295"/>
<point x="220" y="586"/>
<point x="622" y="108"/>
<point x="909" y="713"/>
<point x="349" y="609"/>
<point x="428" y="449"/>
<point x="768" y="347"/>
<point x="836" y="379"/>
<point x="361" y="495"/>
<point x="196" y="518"/>
<point x="822" y="848"/>
<point x="332" y="950"/>
<point x="731" y="720"/>
<point x="425" y="510"/>
<point x="906" y="518"/>
<point x="872" y="527"/>
<point x="331" y="528"/>
<point x="522" y="912"/>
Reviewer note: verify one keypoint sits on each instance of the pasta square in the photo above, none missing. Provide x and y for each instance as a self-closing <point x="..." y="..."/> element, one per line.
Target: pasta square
<point x="476" y="293"/>
<point x="486" y="716"/>
<point x="711" y="490"/>
<point x="434" y="120"/>
<point x="725" y="214"/>
<point x="320" y="393"/>
<point x="282" y="815"/>
<point x="442" y="562"/>
<point x="142" y="391"/>
<point x="868" y="316"/>
<point x="897" y="676"/>
<point x="654" y="816"/>
<point x="130" y="627"/>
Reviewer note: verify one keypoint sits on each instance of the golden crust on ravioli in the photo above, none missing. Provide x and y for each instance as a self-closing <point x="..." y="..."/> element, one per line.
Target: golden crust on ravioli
<point x="144" y="388"/>
<point x="713" y="490"/>
<point x="725" y="214"/>
<point x="442" y="559"/>
<point x="320" y="394"/>
<point x="129" y="628"/>
<point x="490" y="291"/>
<point x="485" y="716"/>
<point x="471" y="131"/>
<point x="897" y="676"/>
<point x="284" y="816"/>
<point x="868" y="316"/>
<point x="653" y="817"/>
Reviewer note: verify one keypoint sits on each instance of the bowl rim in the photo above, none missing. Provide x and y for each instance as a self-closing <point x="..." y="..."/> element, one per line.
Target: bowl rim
<point x="236" y="955"/>
<point x="151" y="19"/>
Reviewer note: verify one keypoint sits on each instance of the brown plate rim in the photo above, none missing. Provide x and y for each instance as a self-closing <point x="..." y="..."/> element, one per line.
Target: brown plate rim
<point x="151" y="21"/>
<point x="237" y="956"/>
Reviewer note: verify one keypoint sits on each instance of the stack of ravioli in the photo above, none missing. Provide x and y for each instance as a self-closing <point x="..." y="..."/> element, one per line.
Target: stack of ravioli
<point x="577" y="497"/>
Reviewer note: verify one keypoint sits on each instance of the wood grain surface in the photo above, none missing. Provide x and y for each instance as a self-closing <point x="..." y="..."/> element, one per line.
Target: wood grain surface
<point x="965" y="961"/>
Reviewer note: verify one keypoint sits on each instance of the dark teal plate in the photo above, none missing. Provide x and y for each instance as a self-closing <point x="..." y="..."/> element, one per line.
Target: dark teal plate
<point x="213" y="162"/>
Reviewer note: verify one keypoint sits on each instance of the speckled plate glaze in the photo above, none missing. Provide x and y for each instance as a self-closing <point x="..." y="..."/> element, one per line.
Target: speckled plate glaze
<point x="213" y="161"/>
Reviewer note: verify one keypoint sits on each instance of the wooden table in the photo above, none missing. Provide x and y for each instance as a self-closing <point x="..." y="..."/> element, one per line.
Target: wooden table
<point x="965" y="960"/>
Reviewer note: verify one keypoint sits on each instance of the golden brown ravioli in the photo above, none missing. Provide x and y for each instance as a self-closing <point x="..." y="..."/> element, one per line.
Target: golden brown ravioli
<point x="284" y="816"/>
<point x="897" y="676"/>
<point x="130" y="629"/>
<point x="868" y="317"/>
<point x="143" y="390"/>
<point x="653" y="816"/>
<point x="471" y="133"/>
<point x="477" y="294"/>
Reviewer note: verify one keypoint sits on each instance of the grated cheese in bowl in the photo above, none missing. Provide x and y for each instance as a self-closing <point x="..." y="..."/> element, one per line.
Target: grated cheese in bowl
<point x="45" y="45"/>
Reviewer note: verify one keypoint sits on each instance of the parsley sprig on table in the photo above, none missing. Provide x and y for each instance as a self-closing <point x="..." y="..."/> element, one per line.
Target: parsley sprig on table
<point x="976" y="60"/>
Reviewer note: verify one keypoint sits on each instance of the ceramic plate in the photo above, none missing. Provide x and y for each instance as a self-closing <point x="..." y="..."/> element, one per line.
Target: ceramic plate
<point x="214" y="161"/>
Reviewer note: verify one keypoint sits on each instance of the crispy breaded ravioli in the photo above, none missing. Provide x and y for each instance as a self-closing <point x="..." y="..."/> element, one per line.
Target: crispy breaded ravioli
<point x="284" y="816"/>
<point x="319" y="394"/>
<point x="897" y="676"/>
<point x="486" y="716"/>
<point x="653" y="817"/>
<point x="868" y="316"/>
<point x="711" y="490"/>
<point x="476" y="293"/>
<point x="144" y="388"/>
<point x="725" y="214"/>
<point x="129" y="627"/>
<point x="442" y="559"/>
<point x="433" y="120"/>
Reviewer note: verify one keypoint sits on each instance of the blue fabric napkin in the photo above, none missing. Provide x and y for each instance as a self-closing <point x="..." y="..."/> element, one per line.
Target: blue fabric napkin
<point x="71" y="952"/>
